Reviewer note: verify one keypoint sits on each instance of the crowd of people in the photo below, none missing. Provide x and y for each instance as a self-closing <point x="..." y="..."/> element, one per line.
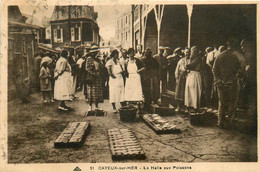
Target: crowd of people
<point x="219" y="78"/>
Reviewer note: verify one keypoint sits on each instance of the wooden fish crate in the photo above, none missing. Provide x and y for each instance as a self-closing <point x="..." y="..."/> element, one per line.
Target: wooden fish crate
<point x="202" y="117"/>
<point x="160" y="125"/>
<point x="124" y="145"/>
<point x="73" y="135"/>
<point x="163" y="110"/>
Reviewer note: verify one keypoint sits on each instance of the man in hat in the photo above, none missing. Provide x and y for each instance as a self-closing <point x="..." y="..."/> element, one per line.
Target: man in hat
<point x="227" y="69"/>
<point x="172" y="64"/>
<point x="162" y="61"/>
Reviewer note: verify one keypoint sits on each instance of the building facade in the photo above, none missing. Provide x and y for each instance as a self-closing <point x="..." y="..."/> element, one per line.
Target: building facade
<point x="73" y="26"/>
<point x="123" y="31"/>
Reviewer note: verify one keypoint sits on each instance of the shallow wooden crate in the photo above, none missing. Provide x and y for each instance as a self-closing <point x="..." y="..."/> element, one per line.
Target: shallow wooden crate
<point x="160" y="127"/>
<point x="163" y="110"/>
<point x="124" y="145"/>
<point x="73" y="135"/>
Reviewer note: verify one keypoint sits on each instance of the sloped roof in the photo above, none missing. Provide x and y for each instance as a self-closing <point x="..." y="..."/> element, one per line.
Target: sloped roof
<point x="32" y="20"/>
<point x="24" y="25"/>
<point x="76" y="12"/>
<point x="14" y="14"/>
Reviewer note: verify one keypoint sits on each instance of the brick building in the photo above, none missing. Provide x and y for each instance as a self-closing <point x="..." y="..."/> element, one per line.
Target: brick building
<point x="74" y="26"/>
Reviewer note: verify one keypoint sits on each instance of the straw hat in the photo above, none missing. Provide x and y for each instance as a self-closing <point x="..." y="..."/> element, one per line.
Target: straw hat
<point x="46" y="59"/>
<point x="177" y="50"/>
<point x="93" y="49"/>
<point x="161" y="48"/>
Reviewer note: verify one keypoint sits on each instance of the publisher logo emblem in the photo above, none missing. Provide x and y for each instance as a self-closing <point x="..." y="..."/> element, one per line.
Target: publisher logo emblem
<point x="77" y="169"/>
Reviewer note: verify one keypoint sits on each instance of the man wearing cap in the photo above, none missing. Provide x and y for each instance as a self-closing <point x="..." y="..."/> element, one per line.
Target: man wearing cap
<point x="162" y="61"/>
<point x="172" y="64"/>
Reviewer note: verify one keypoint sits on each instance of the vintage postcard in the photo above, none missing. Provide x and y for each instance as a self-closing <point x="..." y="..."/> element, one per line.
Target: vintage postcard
<point x="131" y="86"/>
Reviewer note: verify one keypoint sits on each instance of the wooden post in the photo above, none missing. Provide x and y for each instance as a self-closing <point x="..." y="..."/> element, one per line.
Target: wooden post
<point x="144" y="21"/>
<point x="189" y="11"/>
<point x="140" y="23"/>
<point x="158" y="17"/>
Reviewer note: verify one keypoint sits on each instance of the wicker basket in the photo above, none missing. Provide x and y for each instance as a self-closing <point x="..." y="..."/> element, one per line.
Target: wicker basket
<point x="128" y="115"/>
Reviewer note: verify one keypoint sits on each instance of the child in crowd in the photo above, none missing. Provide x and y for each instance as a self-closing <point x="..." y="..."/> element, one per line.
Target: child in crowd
<point x="45" y="81"/>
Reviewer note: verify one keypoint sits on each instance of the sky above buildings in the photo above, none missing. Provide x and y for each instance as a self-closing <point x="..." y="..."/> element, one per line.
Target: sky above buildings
<point x="106" y="15"/>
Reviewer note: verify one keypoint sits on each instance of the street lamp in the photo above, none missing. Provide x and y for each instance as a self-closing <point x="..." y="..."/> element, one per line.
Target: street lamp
<point x="189" y="11"/>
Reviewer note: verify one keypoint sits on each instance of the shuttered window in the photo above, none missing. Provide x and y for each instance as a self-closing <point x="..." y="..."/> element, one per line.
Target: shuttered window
<point x="55" y="35"/>
<point x="61" y="35"/>
<point x="75" y="34"/>
<point x="72" y="34"/>
<point x="58" y="35"/>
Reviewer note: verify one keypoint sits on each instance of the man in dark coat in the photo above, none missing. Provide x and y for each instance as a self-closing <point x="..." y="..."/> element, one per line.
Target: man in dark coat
<point x="172" y="64"/>
<point x="162" y="61"/>
<point x="227" y="69"/>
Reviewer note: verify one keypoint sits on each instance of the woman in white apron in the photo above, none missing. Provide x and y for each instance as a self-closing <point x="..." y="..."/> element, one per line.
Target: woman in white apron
<point x="116" y="82"/>
<point x="193" y="85"/>
<point x="62" y="75"/>
<point x="133" y="86"/>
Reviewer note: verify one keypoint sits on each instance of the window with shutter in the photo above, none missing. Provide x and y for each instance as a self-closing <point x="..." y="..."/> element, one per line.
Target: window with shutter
<point x="58" y="34"/>
<point x="79" y="33"/>
<point x="61" y="34"/>
<point x="72" y="34"/>
<point x="76" y="34"/>
<point x="55" y="35"/>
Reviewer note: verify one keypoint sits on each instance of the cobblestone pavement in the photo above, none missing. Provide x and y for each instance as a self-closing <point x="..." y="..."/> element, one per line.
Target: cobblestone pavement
<point x="33" y="128"/>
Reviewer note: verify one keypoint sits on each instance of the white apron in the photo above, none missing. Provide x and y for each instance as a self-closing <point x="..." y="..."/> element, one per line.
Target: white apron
<point x="62" y="88"/>
<point x="116" y="85"/>
<point x="193" y="90"/>
<point x="133" y="86"/>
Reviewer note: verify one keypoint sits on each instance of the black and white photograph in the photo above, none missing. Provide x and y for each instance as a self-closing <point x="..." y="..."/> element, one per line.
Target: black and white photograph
<point x="125" y="84"/>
